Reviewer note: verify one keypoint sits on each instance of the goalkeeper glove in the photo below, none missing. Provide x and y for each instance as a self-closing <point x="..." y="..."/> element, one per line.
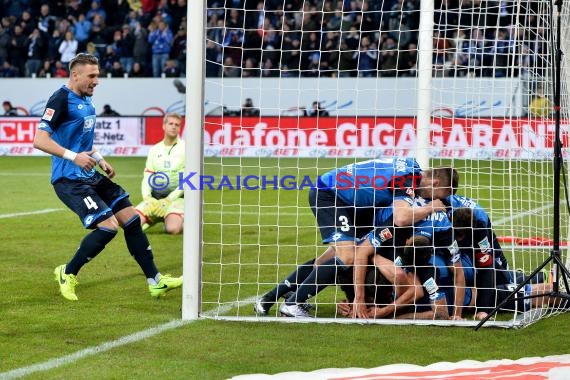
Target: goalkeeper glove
<point x="149" y="205"/>
<point x="162" y="207"/>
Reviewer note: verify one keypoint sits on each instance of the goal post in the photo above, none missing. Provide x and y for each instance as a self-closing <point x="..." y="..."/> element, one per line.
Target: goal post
<point x="281" y="92"/>
<point x="193" y="136"/>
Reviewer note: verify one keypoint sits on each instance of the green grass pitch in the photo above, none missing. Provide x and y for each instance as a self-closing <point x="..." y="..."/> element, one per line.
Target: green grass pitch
<point x="262" y="232"/>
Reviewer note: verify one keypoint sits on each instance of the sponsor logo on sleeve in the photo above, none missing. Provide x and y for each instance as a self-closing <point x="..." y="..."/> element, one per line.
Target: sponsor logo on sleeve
<point x="454" y="251"/>
<point x="48" y="114"/>
<point x="484" y="245"/>
<point x="431" y="286"/>
<point x="385" y="234"/>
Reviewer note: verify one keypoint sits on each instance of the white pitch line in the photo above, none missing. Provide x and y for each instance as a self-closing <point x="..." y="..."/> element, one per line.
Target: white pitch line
<point x="106" y="346"/>
<point x="16" y="214"/>
<point x="519" y="215"/>
<point x="67" y="359"/>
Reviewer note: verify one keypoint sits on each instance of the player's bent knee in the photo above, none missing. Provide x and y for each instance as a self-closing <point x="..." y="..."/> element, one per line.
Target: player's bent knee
<point x="173" y="229"/>
<point x="126" y="215"/>
<point x="111" y="224"/>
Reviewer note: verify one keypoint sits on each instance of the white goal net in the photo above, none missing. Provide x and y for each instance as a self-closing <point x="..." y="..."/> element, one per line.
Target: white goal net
<point x="294" y="89"/>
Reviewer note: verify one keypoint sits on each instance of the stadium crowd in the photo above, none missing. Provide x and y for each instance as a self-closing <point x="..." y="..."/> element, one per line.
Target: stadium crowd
<point x="269" y="38"/>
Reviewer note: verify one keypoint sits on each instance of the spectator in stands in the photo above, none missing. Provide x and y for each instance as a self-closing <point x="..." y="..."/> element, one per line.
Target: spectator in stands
<point x="96" y="10"/>
<point x="117" y="70"/>
<point x="141" y="46"/>
<point x="117" y="11"/>
<point x="160" y="38"/>
<point x="4" y="39"/>
<point x="137" y="71"/>
<point x="73" y="11"/>
<point x="171" y="69"/>
<point x="268" y="70"/>
<point x="178" y="51"/>
<point x="213" y="59"/>
<point x="8" y="71"/>
<point x="46" y="70"/>
<point x="91" y="49"/>
<point x="108" y="111"/>
<point x="100" y="34"/>
<point x="316" y="111"/>
<point x="46" y="21"/>
<point x="248" y="109"/>
<point x="9" y="109"/>
<point x="250" y="69"/>
<point x="18" y="51"/>
<point x="178" y="10"/>
<point x="108" y="59"/>
<point x="123" y="44"/>
<point x="132" y="19"/>
<point x="81" y="29"/>
<point x="25" y="21"/>
<point x="367" y="58"/>
<point x="407" y="61"/>
<point x="389" y="60"/>
<point x="60" y="70"/>
<point x="230" y="69"/>
<point x="35" y="46"/>
<point x="68" y="48"/>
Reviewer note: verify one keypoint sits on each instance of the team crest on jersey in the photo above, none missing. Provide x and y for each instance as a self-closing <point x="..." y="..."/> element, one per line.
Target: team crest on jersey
<point x="48" y="114"/>
<point x="385" y="234"/>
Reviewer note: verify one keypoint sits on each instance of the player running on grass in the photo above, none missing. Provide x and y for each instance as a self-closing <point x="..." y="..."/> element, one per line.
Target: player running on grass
<point x="66" y="132"/>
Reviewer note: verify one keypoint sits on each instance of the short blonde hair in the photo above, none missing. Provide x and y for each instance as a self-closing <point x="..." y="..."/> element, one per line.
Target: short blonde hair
<point x="83" y="59"/>
<point x="171" y="114"/>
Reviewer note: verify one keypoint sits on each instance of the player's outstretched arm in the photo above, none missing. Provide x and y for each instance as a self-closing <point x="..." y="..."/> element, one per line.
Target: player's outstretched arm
<point x="44" y="142"/>
<point x="406" y="214"/>
<point x="362" y="254"/>
<point x="459" y="284"/>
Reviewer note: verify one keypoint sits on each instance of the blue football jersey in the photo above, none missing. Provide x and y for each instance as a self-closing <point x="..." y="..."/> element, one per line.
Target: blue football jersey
<point x="374" y="182"/>
<point x="480" y="215"/>
<point x="70" y="120"/>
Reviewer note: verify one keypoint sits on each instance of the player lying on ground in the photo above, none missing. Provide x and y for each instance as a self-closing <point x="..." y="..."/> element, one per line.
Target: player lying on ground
<point x="416" y="298"/>
<point x="341" y="235"/>
<point x="538" y="285"/>
<point x="343" y="205"/>
<point x="475" y="238"/>
<point x="388" y="238"/>
<point x="325" y="274"/>
<point x="494" y="279"/>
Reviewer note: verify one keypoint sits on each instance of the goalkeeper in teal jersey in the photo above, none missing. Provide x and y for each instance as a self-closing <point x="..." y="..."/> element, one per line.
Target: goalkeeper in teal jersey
<point x="162" y="200"/>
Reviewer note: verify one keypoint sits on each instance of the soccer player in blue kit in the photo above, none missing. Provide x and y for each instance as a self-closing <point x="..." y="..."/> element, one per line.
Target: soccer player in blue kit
<point x="338" y="202"/>
<point x="475" y="237"/>
<point x="66" y="132"/>
<point x="393" y="244"/>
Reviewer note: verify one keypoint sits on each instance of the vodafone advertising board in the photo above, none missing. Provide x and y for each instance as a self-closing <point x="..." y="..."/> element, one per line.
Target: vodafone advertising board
<point x="365" y="137"/>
